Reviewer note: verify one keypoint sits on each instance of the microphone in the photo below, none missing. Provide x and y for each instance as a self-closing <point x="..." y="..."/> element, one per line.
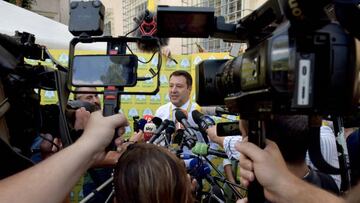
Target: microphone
<point x="204" y="122"/>
<point x="204" y="150"/>
<point x="157" y="121"/>
<point x="181" y="117"/>
<point x="146" y="26"/>
<point x="170" y="130"/>
<point x="198" y="169"/>
<point x="140" y="125"/>
<point x="216" y="111"/>
<point x="158" y="131"/>
<point x="149" y="131"/>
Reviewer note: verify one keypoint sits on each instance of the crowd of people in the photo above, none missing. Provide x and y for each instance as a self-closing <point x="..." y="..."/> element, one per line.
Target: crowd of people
<point x="280" y="167"/>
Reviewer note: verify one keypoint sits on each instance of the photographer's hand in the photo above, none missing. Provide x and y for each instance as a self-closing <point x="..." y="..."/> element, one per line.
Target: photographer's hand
<point x="99" y="131"/>
<point x="271" y="171"/>
<point x="60" y="172"/>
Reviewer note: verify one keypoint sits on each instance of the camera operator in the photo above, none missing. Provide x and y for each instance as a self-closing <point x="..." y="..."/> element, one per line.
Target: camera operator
<point x="52" y="179"/>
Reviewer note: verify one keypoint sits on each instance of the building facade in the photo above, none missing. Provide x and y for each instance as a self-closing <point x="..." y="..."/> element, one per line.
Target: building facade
<point x="120" y="14"/>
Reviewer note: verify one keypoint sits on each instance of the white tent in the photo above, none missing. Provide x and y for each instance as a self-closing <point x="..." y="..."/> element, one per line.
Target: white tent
<point x="50" y="33"/>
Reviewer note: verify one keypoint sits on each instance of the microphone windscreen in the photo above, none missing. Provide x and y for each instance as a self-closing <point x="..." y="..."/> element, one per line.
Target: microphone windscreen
<point x="141" y="124"/>
<point x="170" y="128"/>
<point x="179" y="115"/>
<point x="196" y="115"/>
<point x="157" y="121"/>
<point x="146" y="22"/>
<point x="149" y="130"/>
<point x="148" y="117"/>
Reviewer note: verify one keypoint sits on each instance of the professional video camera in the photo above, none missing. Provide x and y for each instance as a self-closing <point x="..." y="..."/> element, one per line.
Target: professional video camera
<point x="302" y="57"/>
<point x="292" y="64"/>
<point x="25" y="117"/>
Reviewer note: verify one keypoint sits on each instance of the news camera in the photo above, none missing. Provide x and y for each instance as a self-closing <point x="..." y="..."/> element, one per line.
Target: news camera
<point x="292" y="65"/>
<point x="302" y="57"/>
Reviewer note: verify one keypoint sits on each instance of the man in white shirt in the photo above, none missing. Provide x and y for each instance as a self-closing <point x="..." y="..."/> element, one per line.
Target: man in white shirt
<point x="180" y="86"/>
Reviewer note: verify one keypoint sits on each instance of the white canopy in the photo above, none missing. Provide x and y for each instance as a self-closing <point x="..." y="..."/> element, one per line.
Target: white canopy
<point x="52" y="34"/>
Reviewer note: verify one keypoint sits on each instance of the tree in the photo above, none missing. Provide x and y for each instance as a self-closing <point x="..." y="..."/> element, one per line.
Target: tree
<point x="22" y="3"/>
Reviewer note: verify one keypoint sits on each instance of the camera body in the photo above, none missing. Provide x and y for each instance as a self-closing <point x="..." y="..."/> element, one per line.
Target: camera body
<point x="288" y="68"/>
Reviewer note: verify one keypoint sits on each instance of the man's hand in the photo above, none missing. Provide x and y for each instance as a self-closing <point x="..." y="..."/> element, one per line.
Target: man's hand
<point x="267" y="165"/>
<point x="137" y="137"/>
<point x="99" y="131"/>
<point x="81" y="118"/>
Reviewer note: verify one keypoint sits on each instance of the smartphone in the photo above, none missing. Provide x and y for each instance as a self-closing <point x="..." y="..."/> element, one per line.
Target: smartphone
<point x="228" y="129"/>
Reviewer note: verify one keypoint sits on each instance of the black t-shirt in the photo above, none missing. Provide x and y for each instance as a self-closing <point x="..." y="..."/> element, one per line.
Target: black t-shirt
<point x="353" y="144"/>
<point x="322" y="180"/>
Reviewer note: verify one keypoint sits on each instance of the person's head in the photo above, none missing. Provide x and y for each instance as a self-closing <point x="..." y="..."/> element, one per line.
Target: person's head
<point x="151" y="174"/>
<point x="180" y="83"/>
<point x="291" y="134"/>
<point x="87" y="97"/>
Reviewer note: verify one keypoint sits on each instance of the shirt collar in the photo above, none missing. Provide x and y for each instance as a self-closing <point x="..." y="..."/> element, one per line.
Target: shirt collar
<point x="184" y="106"/>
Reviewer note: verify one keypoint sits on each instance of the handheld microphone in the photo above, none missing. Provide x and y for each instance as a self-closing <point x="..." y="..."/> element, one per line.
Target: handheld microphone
<point x="204" y="150"/>
<point x="170" y="130"/>
<point x="181" y="117"/>
<point x="203" y="121"/>
<point x="198" y="168"/>
<point x="149" y="131"/>
<point x="158" y="131"/>
<point x="140" y="125"/>
<point x="157" y="121"/>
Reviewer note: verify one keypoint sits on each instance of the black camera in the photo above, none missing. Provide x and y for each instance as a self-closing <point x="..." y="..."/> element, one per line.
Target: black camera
<point x="292" y="65"/>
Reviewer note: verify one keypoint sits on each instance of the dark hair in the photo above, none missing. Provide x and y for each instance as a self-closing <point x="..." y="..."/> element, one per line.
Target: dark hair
<point x="151" y="174"/>
<point x="291" y="134"/>
<point x="184" y="74"/>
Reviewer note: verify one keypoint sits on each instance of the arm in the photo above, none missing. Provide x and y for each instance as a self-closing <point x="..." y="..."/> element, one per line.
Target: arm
<point x="270" y="170"/>
<point x="55" y="176"/>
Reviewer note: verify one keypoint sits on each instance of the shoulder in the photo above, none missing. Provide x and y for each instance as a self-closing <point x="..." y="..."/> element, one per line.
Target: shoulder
<point x="323" y="181"/>
<point x="162" y="109"/>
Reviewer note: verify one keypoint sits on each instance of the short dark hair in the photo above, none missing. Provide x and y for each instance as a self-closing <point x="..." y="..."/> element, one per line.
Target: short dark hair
<point x="184" y="74"/>
<point x="291" y="134"/>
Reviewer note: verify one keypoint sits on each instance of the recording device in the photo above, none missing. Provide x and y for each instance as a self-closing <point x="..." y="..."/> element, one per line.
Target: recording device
<point x="157" y="121"/>
<point x="283" y="70"/>
<point x="216" y="111"/>
<point x="224" y="129"/>
<point x="104" y="70"/>
<point x="116" y="69"/>
<point x="182" y="118"/>
<point x="146" y="26"/>
<point x="298" y="61"/>
<point x="203" y="121"/>
<point x="91" y="12"/>
<point x="158" y="131"/>
<point x="149" y="131"/>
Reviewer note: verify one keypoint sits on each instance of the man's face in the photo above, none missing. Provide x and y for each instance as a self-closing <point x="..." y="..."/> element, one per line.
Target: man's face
<point x="179" y="92"/>
<point x="91" y="98"/>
